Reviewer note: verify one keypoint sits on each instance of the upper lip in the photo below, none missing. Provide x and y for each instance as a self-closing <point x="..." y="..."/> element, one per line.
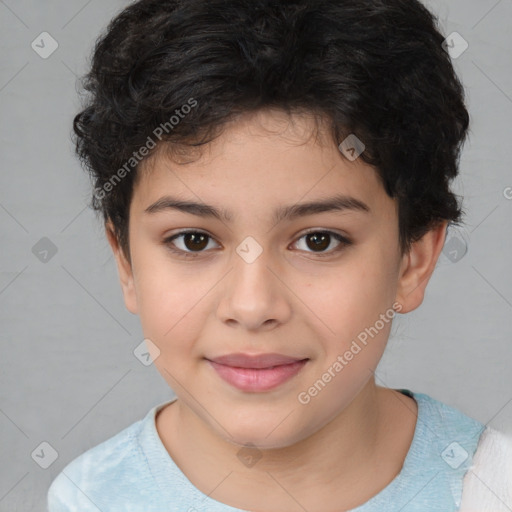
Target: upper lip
<point x="255" y="361"/>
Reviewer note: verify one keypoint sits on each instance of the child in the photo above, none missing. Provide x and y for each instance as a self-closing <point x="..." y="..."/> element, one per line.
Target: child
<point x="305" y="148"/>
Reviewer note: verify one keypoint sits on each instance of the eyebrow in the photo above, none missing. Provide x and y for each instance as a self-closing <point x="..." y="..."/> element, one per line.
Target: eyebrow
<point x="335" y="203"/>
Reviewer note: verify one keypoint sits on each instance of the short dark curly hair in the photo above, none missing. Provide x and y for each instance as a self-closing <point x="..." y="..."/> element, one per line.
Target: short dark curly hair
<point x="172" y="73"/>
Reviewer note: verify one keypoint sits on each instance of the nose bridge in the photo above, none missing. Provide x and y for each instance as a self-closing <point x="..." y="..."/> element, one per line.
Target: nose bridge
<point x="254" y="295"/>
<point x="252" y="279"/>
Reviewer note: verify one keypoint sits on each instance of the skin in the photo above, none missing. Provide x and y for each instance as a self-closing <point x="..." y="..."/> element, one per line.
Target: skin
<point x="351" y="439"/>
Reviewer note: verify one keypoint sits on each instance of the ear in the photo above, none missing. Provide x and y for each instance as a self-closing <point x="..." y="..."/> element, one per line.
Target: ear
<point x="417" y="267"/>
<point x="124" y="269"/>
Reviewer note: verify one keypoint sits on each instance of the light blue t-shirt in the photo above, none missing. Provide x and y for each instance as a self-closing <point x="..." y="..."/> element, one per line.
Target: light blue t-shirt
<point x="133" y="472"/>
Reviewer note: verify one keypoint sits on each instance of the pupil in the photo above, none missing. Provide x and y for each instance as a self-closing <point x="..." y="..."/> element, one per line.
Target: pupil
<point x="194" y="238"/>
<point x="319" y="240"/>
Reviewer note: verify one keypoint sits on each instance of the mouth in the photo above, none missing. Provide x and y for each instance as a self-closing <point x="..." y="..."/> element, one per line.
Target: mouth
<point x="257" y="373"/>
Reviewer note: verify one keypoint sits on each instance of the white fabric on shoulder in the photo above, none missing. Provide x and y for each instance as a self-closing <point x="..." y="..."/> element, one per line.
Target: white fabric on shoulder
<point x="487" y="485"/>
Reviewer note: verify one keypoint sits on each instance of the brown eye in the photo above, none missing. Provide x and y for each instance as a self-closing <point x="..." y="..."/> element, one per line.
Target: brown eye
<point x="195" y="241"/>
<point x="319" y="241"/>
<point x="190" y="241"/>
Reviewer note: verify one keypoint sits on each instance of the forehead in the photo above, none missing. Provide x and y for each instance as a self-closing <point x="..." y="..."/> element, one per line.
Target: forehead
<point x="264" y="159"/>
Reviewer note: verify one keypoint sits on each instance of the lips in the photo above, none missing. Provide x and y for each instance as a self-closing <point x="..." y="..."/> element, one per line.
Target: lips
<point x="257" y="373"/>
<point x="255" y="361"/>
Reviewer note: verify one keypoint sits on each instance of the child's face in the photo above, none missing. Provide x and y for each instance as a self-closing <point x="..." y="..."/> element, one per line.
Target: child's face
<point x="296" y="298"/>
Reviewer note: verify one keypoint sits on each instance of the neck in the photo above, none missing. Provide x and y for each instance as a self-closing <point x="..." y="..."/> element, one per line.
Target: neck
<point x="349" y="459"/>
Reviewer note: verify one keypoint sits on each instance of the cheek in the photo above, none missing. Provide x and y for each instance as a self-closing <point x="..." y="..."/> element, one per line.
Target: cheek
<point x="351" y="301"/>
<point x="171" y="305"/>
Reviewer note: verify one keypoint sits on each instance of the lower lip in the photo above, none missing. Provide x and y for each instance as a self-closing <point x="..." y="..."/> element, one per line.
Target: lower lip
<point x="263" y="379"/>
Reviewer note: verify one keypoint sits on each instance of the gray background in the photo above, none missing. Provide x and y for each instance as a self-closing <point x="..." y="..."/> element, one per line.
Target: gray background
<point x="68" y="373"/>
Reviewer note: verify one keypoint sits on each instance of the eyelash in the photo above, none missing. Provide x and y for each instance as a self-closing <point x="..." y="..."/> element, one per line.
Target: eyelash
<point x="344" y="242"/>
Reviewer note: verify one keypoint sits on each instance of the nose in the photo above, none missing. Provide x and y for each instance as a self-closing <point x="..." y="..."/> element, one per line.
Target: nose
<point x="254" y="296"/>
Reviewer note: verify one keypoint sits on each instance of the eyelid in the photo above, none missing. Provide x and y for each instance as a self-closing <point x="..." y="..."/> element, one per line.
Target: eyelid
<point x="342" y="239"/>
<point x="180" y="252"/>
